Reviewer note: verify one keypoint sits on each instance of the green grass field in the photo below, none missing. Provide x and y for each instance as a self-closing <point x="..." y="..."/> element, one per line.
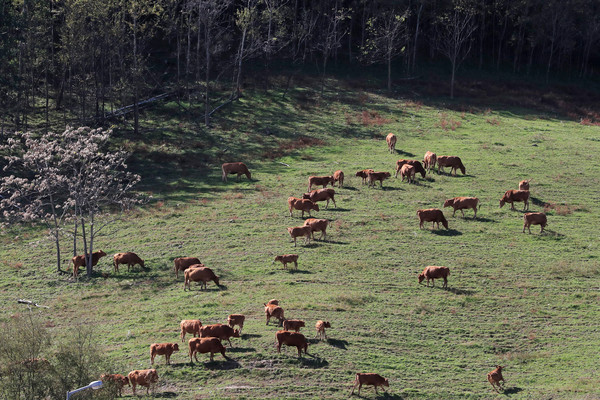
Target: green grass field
<point x="527" y="302"/>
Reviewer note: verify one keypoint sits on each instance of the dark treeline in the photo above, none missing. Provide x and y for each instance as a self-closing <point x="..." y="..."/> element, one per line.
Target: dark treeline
<point x="86" y="58"/>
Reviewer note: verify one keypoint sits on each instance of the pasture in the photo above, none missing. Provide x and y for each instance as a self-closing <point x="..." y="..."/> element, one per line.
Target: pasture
<point x="526" y="302"/>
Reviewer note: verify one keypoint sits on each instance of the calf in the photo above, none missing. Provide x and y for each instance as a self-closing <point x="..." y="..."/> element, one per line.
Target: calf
<point x="79" y="261"/>
<point x="143" y="377"/>
<point x="364" y="174"/>
<point x="461" y="203"/>
<point x="210" y="345"/>
<point x="199" y="273"/>
<point x="495" y="377"/>
<point x="292" y="339"/>
<point x="338" y="176"/>
<point x="293" y="324"/>
<point x="320" y="327"/>
<point x="190" y="326"/>
<point x="373" y="177"/>
<point x="450" y="161"/>
<point x="274" y="311"/>
<point x="301" y="204"/>
<point x="117" y="380"/>
<point x="165" y="349"/>
<point x="418" y="166"/>
<point x="287" y="258"/>
<point x="429" y="160"/>
<point x="433" y="272"/>
<point x="300" y="231"/>
<point x="320" y="180"/>
<point x="127" y="258"/>
<point x="317" y="225"/>
<point x="512" y="196"/>
<point x="321" y="195"/>
<point x="524" y="185"/>
<point x="238" y="168"/>
<point x="391" y="142"/>
<point x="236" y="319"/>
<point x="369" y="379"/>
<point x="433" y="215"/>
<point x="221" y="331"/>
<point x="183" y="263"/>
<point x="408" y="172"/>
<point x="534" y="218"/>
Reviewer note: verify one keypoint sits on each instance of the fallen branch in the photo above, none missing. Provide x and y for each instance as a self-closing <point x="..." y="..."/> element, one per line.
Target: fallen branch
<point x="30" y="303"/>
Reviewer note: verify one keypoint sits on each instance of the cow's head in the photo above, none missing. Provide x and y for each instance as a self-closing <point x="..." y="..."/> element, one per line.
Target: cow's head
<point x="421" y="277"/>
<point x="236" y="333"/>
<point x="386" y="382"/>
<point x="502" y="202"/>
<point x="448" y="203"/>
<point x="175" y="347"/>
<point x="315" y="206"/>
<point x="326" y="324"/>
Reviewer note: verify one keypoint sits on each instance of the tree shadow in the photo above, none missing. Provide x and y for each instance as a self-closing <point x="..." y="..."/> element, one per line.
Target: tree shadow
<point x="340" y="344"/>
<point x="446" y="232"/>
<point x="512" y="390"/>
<point x="241" y="349"/>
<point x="250" y="335"/>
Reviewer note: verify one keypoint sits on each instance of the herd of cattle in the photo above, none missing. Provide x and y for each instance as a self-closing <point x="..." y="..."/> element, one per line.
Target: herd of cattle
<point x="210" y="336"/>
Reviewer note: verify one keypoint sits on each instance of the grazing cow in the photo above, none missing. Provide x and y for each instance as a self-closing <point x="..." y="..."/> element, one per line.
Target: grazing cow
<point x="117" y="380"/>
<point x="300" y="231"/>
<point x="199" y="274"/>
<point x="274" y="311"/>
<point x="364" y="174"/>
<point x="512" y="196"/>
<point x="461" y="203"/>
<point x="450" y="161"/>
<point x="292" y="339"/>
<point x="338" y="176"/>
<point x="165" y="349"/>
<point x="317" y="225"/>
<point x="524" y="185"/>
<point x="391" y="142"/>
<point x="221" y="331"/>
<point x="79" y="261"/>
<point x="127" y="258"/>
<point x="302" y="205"/>
<point x="210" y="345"/>
<point x="320" y="180"/>
<point x="417" y="164"/>
<point x="287" y="258"/>
<point x="238" y="168"/>
<point x="143" y="377"/>
<point x="369" y="379"/>
<point x="433" y="272"/>
<point x="236" y="319"/>
<point x="429" y="160"/>
<point x="433" y="215"/>
<point x="373" y="177"/>
<point x="272" y="302"/>
<point x="183" y="263"/>
<point x="293" y="324"/>
<point x="534" y="218"/>
<point x="495" y="377"/>
<point x="190" y="326"/>
<point x="408" y="172"/>
<point x="320" y="327"/>
<point x="320" y="195"/>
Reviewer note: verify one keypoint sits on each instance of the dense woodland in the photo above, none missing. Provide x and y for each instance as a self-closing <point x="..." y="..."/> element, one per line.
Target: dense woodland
<point x="85" y="59"/>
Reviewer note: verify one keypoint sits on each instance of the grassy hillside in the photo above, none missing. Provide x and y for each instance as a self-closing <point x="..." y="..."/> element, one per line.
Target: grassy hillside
<point x="528" y="302"/>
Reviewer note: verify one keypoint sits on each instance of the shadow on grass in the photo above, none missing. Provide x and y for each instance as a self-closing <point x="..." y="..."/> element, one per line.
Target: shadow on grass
<point x="349" y="188"/>
<point x="446" y="232"/>
<point x="336" y="242"/>
<point x="537" y="202"/>
<point x="299" y="271"/>
<point x="250" y="335"/>
<point x="339" y="209"/>
<point x="512" y="390"/>
<point x="404" y="153"/>
<point x="552" y="234"/>
<point x="208" y="289"/>
<point x="313" y="361"/>
<point x="230" y="363"/>
<point x="461" y="291"/>
<point x="164" y="395"/>
<point x="340" y="344"/>
<point x="484" y="219"/>
<point x="241" y="349"/>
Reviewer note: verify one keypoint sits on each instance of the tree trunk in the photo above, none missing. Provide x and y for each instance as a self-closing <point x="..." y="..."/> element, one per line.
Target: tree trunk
<point x="136" y="110"/>
<point x="206" y="89"/>
<point x="415" y="45"/>
<point x="452" y="79"/>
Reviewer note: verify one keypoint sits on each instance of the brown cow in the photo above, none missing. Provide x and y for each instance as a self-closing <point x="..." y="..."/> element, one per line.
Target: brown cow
<point x="524" y="185"/>
<point x="238" y="168"/>
<point x="433" y="215"/>
<point x="79" y="261"/>
<point x="302" y="205"/>
<point x="274" y="311"/>
<point x="127" y="258"/>
<point x="199" y="274"/>
<point x="183" y="263"/>
<point x="450" y="161"/>
<point x="534" y="218"/>
<point x="495" y="377"/>
<point x="320" y="327"/>
<point x="165" y="349"/>
<point x="143" y="377"/>
<point x="300" y="231"/>
<point x="320" y="180"/>
<point x="391" y="142"/>
<point x="292" y="339"/>
<point x="369" y="379"/>
<point x="236" y="319"/>
<point x="321" y="195"/>
<point x="364" y="174"/>
<point x="293" y="324"/>
<point x="210" y="345"/>
<point x="118" y="380"/>
<point x="190" y="326"/>
<point x="433" y="272"/>
<point x="372" y="177"/>
<point x="287" y="258"/>
<point x="511" y="196"/>
<point x="415" y="163"/>
<point x="461" y="203"/>
<point x="272" y="302"/>
<point x="221" y="331"/>
<point x="317" y="225"/>
<point x="338" y="176"/>
<point x="408" y="172"/>
<point x="429" y="160"/>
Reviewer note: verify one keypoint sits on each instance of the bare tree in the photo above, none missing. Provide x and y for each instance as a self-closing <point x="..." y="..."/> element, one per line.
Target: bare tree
<point x="331" y="36"/>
